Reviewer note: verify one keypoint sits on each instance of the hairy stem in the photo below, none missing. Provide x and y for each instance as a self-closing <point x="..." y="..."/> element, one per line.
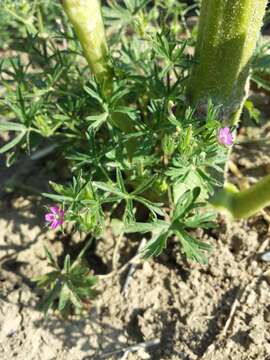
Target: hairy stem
<point x="86" y="18"/>
<point x="227" y="37"/>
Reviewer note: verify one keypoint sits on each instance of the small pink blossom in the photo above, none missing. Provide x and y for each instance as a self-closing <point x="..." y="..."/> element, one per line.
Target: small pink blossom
<point x="225" y="137"/>
<point x="55" y="217"/>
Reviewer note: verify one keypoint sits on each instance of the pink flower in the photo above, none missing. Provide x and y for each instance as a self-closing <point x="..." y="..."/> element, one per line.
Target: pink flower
<point x="55" y="217"/>
<point x="225" y="136"/>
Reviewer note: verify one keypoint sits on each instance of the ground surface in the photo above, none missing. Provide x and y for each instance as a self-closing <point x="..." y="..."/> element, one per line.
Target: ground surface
<point x="218" y="311"/>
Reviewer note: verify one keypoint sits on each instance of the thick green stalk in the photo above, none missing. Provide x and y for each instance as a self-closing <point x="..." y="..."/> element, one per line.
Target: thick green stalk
<point x="244" y="203"/>
<point x="227" y="36"/>
<point x="86" y="18"/>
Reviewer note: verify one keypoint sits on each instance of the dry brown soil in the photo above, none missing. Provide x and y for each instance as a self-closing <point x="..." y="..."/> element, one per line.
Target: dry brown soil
<point x="219" y="311"/>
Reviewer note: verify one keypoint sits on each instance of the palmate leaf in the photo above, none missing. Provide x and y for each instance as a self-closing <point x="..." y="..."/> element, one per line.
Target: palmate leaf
<point x="49" y="299"/>
<point x="73" y="295"/>
<point x="156" y="245"/>
<point x="117" y="14"/>
<point x="155" y="208"/>
<point x="190" y="180"/>
<point x="193" y="249"/>
<point x="186" y="215"/>
<point x="201" y="220"/>
<point x="70" y="286"/>
<point x="186" y="203"/>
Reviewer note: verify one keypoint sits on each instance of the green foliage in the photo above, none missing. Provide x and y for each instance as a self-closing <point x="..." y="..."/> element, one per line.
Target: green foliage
<point x="82" y="203"/>
<point x="159" y="151"/>
<point x="261" y="65"/>
<point x="185" y="216"/>
<point x="71" y="286"/>
<point x="141" y="150"/>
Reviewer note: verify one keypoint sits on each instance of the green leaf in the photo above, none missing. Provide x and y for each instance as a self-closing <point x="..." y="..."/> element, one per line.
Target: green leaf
<point x="253" y="112"/>
<point x="185" y="203"/>
<point x="47" y="279"/>
<point x="156" y="245"/>
<point x="60" y="189"/>
<point x="261" y="82"/>
<point x="97" y="120"/>
<point x="93" y="94"/>
<point x="52" y="261"/>
<point x="156" y="226"/>
<point x="120" y="181"/>
<point x="64" y="297"/>
<point x="73" y="296"/>
<point x="145" y="185"/>
<point x="67" y="264"/>
<point x="131" y="113"/>
<point x="155" y="208"/>
<point x="12" y="143"/>
<point x="109" y="188"/>
<point x="89" y="281"/>
<point x="203" y="220"/>
<point x="193" y="248"/>
<point x="17" y="111"/>
<point x="10" y="126"/>
<point x="48" y="300"/>
<point x="59" y="198"/>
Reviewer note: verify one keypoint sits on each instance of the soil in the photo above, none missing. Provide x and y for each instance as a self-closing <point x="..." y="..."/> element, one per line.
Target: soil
<point x="177" y="310"/>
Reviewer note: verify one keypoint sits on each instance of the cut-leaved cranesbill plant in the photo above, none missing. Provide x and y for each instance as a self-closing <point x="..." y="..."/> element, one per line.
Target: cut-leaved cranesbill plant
<point x="144" y="127"/>
<point x="72" y="286"/>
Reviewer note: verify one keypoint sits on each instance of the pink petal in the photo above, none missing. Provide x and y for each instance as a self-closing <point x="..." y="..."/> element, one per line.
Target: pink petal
<point x="226" y="130"/>
<point x="54" y="209"/>
<point x="54" y="224"/>
<point x="49" y="217"/>
<point x="230" y="140"/>
<point x="225" y="136"/>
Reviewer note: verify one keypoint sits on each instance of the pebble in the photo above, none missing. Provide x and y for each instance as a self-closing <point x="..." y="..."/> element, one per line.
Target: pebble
<point x="266" y="256"/>
<point x="147" y="269"/>
<point x="122" y="339"/>
<point x="142" y="354"/>
<point x="251" y="298"/>
<point x="255" y="268"/>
